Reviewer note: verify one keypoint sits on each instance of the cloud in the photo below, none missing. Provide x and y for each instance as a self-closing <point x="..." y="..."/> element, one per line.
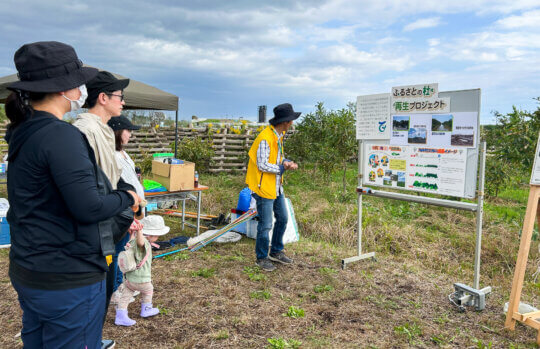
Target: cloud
<point x="530" y="19"/>
<point x="222" y="55"/>
<point x="423" y="24"/>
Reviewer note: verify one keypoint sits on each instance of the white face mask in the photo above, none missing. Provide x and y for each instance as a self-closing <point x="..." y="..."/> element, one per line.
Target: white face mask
<point x="78" y="103"/>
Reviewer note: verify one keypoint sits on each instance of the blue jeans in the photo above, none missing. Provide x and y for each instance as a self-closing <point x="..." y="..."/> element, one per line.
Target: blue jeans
<point x="265" y="209"/>
<point x="62" y="318"/>
<point x="118" y="276"/>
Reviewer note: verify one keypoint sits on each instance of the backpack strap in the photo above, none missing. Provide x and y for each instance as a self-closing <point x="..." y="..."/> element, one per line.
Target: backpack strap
<point x="128" y="245"/>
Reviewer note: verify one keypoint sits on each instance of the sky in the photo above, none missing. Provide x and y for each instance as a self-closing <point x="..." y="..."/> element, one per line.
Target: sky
<point x="225" y="58"/>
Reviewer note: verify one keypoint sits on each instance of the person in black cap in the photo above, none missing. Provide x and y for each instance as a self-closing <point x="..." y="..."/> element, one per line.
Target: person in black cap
<point x="264" y="177"/>
<point x="122" y="128"/>
<point x="105" y="100"/>
<point x="60" y="202"/>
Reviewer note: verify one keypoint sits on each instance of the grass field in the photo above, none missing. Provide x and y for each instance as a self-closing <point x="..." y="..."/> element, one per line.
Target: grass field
<point x="216" y="297"/>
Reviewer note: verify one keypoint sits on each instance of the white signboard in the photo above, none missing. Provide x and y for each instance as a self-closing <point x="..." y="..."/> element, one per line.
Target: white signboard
<point x="418" y="99"/>
<point x="435" y="130"/>
<point x="426" y="169"/>
<point x="372" y="116"/>
<point x="535" y="176"/>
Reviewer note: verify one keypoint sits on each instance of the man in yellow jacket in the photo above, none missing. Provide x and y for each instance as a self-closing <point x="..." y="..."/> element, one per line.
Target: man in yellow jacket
<point x="265" y="179"/>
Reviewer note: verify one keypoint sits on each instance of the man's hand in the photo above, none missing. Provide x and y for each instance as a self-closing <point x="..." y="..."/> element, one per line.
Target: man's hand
<point x="137" y="200"/>
<point x="290" y="165"/>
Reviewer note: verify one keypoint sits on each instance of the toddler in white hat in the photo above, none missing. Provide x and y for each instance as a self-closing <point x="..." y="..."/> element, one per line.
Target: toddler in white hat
<point x="140" y="279"/>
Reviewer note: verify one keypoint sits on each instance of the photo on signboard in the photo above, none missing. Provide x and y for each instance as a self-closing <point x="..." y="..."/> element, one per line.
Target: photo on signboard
<point x="401" y="179"/>
<point x="417" y="136"/>
<point x="462" y="139"/>
<point x="442" y="123"/>
<point x="400" y="123"/>
<point x="374" y="160"/>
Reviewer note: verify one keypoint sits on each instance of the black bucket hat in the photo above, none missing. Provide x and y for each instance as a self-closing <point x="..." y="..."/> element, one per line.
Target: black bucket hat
<point x="121" y="123"/>
<point x="104" y="82"/>
<point x="282" y="113"/>
<point x="49" y="66"/>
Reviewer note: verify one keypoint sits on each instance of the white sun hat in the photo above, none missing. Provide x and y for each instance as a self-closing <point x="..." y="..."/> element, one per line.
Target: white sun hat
<point x="154" y="225"/>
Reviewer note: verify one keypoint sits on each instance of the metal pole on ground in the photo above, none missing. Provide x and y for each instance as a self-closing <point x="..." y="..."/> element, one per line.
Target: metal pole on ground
<point x="359" y="255"/>
<point x="176" y="135"/>
<point x="474" y="296"/>
<point x="479" y="214"/>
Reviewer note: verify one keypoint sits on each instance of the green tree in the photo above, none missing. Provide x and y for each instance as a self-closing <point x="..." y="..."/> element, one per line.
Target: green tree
<point x="3" y="117"/>
<point x="156" y="118"/>
<point x="325" y="138"/>
<point x="511" y="145"/>
<point x="137" y="117"/>
<point x="196" y="150"/>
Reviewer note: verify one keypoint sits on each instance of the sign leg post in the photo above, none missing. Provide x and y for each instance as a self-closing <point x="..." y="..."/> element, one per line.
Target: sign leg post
<point x="523" y="255"/>
<point x="359" y="255"/>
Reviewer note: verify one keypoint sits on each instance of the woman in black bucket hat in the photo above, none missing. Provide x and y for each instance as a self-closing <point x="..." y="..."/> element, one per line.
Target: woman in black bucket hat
<point x="60" y="203"/>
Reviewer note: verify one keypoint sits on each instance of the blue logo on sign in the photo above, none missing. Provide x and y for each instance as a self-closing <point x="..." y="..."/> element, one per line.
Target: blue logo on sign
<point x="382" y="126"/>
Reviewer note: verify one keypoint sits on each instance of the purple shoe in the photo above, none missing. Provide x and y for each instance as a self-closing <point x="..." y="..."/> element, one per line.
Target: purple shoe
<point x="122" y="318"/>
<point x="147" y="310"/>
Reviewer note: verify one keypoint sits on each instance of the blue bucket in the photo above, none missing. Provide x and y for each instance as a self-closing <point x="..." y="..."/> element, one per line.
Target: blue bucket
<point x="244" y="199"/>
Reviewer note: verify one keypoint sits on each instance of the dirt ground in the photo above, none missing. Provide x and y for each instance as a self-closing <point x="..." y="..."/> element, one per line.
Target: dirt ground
<point x="215" y="298"/>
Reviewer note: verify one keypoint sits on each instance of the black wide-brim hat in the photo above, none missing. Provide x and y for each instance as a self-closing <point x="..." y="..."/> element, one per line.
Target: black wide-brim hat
<point x="49" y="66"/>
<point x="121" y="123"/>
<point x="283" y="113"/>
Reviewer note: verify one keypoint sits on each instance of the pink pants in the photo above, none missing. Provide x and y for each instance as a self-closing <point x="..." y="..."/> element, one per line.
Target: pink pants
<point x="145" y="288"/>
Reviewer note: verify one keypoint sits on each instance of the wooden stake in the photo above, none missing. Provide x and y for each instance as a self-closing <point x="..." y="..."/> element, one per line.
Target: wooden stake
<point x="521" y="265"/>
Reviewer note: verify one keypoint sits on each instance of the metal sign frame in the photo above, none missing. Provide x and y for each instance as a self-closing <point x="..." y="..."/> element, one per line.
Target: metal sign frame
<point x="463" y="295"/>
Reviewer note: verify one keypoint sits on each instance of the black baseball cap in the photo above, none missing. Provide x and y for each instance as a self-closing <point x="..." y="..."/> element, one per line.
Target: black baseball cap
<point x="104" y="82"/>
<point x="121" y="123"/>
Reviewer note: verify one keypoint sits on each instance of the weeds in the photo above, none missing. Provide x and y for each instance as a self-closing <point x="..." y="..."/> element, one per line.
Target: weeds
<point x="410" y="331"/>
<point x="255" y="274"/>
<point x="180" y="256"/>
<point x="294" y="312"/>
<point x="223" y="334"/>
<point x="204" y="272"/>
<point x="164" y="311"/>
<point x="260" y="295"/>
<point x="280" y="343"/>
<point x="480" y="344"/>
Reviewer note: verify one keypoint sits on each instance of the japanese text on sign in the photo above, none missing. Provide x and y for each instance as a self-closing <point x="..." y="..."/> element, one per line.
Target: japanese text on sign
<point x="438" y="104"/>
<point x="372" y="116"/>
<point x="416" y="91"/>
<point x="418" y="99"/>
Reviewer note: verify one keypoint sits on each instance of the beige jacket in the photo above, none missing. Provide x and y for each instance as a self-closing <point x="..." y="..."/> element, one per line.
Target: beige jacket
<point x="101" y="139"/>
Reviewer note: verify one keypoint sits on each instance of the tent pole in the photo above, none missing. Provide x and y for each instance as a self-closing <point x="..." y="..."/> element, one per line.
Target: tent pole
<point x="176" y="135"/>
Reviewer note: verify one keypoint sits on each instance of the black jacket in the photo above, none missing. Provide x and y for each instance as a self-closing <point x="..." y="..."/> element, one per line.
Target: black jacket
<point x="59" y="214"/>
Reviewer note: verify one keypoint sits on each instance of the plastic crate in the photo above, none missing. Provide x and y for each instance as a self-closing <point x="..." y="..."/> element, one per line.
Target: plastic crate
<point x="5" y="238"/>
<point x="248" y="228"/>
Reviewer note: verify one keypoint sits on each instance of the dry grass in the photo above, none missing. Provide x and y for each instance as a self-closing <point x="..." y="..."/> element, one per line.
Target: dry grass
<point x="398" y="301"/>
